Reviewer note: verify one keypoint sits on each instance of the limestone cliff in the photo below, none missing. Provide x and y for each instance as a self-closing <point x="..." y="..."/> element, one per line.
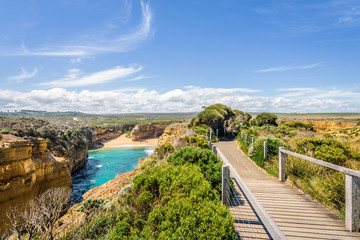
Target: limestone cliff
<point x="144" y="131"/>
<point x="98" y="135"/>
<point x="26" y="169"/>
<point x="173" y="133"/>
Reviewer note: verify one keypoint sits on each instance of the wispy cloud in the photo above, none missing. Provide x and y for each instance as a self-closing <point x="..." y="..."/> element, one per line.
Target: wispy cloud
<point x="287" y="68"/>
<point x="317" y="93"/>
<point x="187" y="99"/>
<point x="351" y="17"/>
<point x="137" y="78"/>
<point x="75" y="78"/>
<point x="79" y="60"/>
<point x="24" y="75"/>
<point x="296" y="89"/>
<point x="110" y="42"/>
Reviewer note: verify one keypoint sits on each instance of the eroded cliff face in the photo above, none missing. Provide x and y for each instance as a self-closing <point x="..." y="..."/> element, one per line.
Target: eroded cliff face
<point x="98" y="135"/>
<point x="27" y="168"/>
<point x="173" y="133"/>
<point x="144" y="131"/>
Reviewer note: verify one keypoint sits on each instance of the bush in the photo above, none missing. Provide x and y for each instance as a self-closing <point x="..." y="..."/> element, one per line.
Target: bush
<point x="174" y="202"/>
<point x="164" y="150"/>
<point x="256" y="151"/>
<point x="90" y="203"/>
<point x="329" y="150"/>
<point x="202" y="129"/>
<point x="198" y="140"/>
<point x="213" y="116"/>
<point x="266" y="118"/>
<point x="299" y="125"/>
<point x="204" y="158"/>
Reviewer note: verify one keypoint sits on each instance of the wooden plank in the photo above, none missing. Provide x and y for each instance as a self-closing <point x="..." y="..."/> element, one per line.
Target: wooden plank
<point x="297" y="215"/>
<point x="270" y="225"/>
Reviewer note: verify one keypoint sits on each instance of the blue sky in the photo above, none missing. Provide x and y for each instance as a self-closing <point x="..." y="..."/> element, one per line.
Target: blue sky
<point x="116" y="56"/>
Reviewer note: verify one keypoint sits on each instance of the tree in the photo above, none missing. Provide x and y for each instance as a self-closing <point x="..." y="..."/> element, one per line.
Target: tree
<point x="53" y="203"/>
<point x="40" y="214"/>
<point x="15" y="222"/>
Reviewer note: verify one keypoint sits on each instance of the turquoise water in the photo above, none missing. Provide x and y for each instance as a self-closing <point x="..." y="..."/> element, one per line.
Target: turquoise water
<point x="103" y="165"/>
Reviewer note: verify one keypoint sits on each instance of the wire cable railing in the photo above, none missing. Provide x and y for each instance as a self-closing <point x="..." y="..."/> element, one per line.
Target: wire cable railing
<point x="334" y="186"/>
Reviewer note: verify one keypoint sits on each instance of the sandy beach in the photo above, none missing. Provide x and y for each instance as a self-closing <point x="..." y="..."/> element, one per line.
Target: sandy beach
<point x="122" y="140"/>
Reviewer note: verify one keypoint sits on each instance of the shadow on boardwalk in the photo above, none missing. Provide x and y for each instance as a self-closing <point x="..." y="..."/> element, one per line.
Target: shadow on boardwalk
<point x="246" y="223"/>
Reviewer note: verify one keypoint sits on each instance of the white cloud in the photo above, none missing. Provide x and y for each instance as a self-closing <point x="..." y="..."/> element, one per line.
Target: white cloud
<point x="138" y="78"/>
<point x="24" y="75"/>
<point x="287" y="68"/>
<point x="98" y="42"/>
<point x="176" y="100"/>
<point x="75" y="78"/>
<point x="79" y="60"/>
<point x="351" y="17"/>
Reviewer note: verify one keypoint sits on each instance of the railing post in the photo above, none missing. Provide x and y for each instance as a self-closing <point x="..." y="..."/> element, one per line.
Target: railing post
<point x="225" y="186"/>
<point x="352" y="202"/>
<point x="224" y="131"/>
<point x="217" y="132"/>
<point x="242" y="134"/>
<point x="265" y="150"/>
<point x="210" y="145"/>
<point x="214" y="149"/>
<point x="210" y="135"/>
<point x="253" y="141"/>
<point x="246" y="138"/>
<point x="281" y="165"/>
<point x="232" y="131"/>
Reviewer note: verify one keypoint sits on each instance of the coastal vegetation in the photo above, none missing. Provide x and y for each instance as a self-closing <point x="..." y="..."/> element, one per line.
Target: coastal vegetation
<point x="171" y="198"/>
<point x="338" y="146"/>
<point x="219" y="116"/>
<point x="175" y="192"/>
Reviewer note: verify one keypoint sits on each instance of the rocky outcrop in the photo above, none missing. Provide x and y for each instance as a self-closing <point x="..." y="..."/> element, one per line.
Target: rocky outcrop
<point x="173" y="133"/>
<point x="26" y="169"/>
<point x="77" y="159"/>
<point x="144" y="131"/>
<point x="98" y="135"/>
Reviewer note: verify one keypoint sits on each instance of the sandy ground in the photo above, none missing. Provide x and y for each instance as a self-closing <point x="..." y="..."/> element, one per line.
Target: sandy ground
<point x="122" y="140"/>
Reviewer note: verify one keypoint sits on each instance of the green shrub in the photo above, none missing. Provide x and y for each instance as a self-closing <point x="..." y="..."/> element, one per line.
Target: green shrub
<point x="329" y="149"/>
<point x="198" y="140"/>
<point x="164" y="150"/>
<point x="90" y="203"/>
<point x="299" y="125"/>
<point x="213" y="116"/>
<point x="202" y="129"/>
<point x="266" y="118"/>
<point x="184" y="205"/>
<point x="204" y="158"/>
<point x="256" y="151"/>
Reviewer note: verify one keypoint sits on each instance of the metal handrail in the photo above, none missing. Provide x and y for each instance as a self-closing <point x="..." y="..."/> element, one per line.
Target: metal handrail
<point x="348" y="171"/>
<point x="352" y="186"/>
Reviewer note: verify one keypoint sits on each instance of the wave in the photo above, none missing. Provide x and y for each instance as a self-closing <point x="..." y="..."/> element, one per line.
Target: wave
<point x="98" y="166"/>
<point x="149" y="151"/>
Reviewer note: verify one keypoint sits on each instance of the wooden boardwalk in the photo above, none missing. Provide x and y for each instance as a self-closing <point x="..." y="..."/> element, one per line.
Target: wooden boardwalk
<point x="297" y="215"/>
